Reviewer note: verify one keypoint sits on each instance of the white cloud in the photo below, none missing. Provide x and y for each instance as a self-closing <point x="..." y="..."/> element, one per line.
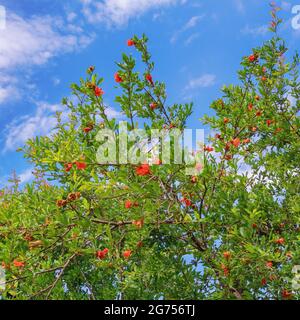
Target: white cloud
<point x="191" y="23"/>
<point x="255" y="31"/>
<point x="29" y="126"/>
<point x="41" y="123"/>
<point x="34" y="41"/>
<point x="30" y="42"/>
<point x="204" y="81"/>
<point x="8" y="88"/>
<point x="191" y="38"/>
<point x="119" y="12"/>
<point x="26" y="176"/>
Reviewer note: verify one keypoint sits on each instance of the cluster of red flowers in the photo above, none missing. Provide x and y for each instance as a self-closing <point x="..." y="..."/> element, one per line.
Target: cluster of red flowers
<point x="79" y="164"/>
<point x="101" y="254"/>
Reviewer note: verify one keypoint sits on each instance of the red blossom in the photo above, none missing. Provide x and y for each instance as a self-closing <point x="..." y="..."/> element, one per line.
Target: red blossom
<point x="118" y="78"/>
<point x="81" y="165"/>
<point x="279" y="241"/>
<point x="19" y="264"/>
<point x="149" y="79"/>
<point x="98" y="91"/>
<point x="263" y="281"/>
<point x="143" y="170"/>
<point x="186" y="201"/>
<point x="252" y="58"/>
<point x="101" y="254"/>
<point x="227" y="255"/>
<point x="87" y="129"/>
<point x="269" y="122"/>
<point x="153" y="106"/>
<point x="127" y="254"/>
<point x="128" y="204"/>
<point x="236" y="142"/>
<point x="286" y="294"/>
<point x="130" y="43"/>
<point x="68" y="166"/>
<point x="208" y="149"/>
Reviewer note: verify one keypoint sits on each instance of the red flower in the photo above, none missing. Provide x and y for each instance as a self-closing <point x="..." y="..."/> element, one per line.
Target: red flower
<point x="143" y="170"/>
<point x="252" y="58"/>
<point x="236" y="142"/>
<point x="258" y="113"/>
<point x="269" y="264"/>
<point x="280" y="241"/>
<point x="128" y="204"/>
<point x="127" y="254"/>
<point x="87" y="129"/>
<point x="98" y="92"/>
<point x="263" y="281"/>
<point x="226" y="120"/>
<point x="149" y="78"/>
<point x="245" y="141"/>
<point x="250" y="106"/>
<point x="254" y="225"/>
<point x="225" y="270"/>
<point x="257" y="98"/>
<point x="253" y="129"/>
<point x="19" y="264"/>
<point x="218" y="136"/>
<point x="208" y="149"/>
<point x="269" y="122"/>
<point x="118" y="78"/>
<point x="186" y="201"/>
<point x="130" y="43"/>
<point x="263" y="78"/>
<point x="286" y="294"/>
<point x="80" y="165"/>
<point x="138" y="223"/>
<point x="101" y="254"/>
<point x="194" y="179"/>
<point x="227" y="255"/>
<point x="153" y="106"/>
<point x="68" y="166"/>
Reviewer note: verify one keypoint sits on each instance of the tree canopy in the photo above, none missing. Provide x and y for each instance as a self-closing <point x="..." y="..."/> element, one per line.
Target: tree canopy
<point x="85" y="230"/>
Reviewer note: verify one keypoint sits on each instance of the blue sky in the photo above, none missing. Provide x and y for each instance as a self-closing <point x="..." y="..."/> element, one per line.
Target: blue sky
<point x="47" y="44"/>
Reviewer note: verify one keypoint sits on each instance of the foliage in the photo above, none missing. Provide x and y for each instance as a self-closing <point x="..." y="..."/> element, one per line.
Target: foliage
<point x="88" y="231"/>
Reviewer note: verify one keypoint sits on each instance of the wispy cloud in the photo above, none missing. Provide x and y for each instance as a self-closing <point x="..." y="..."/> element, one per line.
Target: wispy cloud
<point x="26" y="127"/>
<point x="191" y="38"/>
<point x="203" y="81"/>
<point x="191" y="23"/>
<point x="40" y="123"/>
<point x="119" y="12"/>
<point x="255" y="31"/>
<point x="32" y="42"/>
